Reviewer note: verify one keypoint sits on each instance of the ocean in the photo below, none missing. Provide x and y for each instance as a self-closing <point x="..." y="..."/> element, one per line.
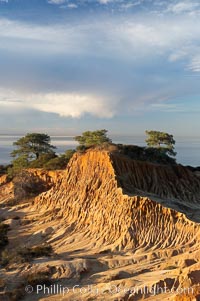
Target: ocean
<point x="188" y="149"/>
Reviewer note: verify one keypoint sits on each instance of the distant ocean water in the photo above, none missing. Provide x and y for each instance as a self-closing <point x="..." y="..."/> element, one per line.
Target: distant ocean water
<point x="188" y="149"/>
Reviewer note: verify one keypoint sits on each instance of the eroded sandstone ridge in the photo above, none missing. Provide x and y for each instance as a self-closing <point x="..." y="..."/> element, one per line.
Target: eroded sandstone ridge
<point x="111" y="198"/>
<point x="119" y="222"/>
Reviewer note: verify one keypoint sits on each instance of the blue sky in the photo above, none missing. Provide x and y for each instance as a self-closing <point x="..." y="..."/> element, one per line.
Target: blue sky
<point x="67" y="66"/>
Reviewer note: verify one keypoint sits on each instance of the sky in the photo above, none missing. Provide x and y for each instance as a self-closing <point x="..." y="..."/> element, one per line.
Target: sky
<point x="67" y="66"/>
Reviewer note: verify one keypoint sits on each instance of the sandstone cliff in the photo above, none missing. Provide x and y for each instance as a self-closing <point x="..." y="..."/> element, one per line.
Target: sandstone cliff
<point x="112" y="220"/>
<point x="111" y="199"/>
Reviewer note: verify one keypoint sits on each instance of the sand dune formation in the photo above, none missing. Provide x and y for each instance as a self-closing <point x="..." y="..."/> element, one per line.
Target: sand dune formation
<point x="120" y="229"/>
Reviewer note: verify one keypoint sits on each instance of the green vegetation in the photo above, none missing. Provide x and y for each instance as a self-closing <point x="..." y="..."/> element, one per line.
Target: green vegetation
<point x="164" y="142"/>
<point x="32" y="146"/>
<point x="92" y="138"/>
<point x="42" y="160"/>
<point x="27" y="185"/>
<point x="16" y="294"/>
<point x="12" y="257"/>
<point x="3" y="235"/>
<point x="39" y="278"/>
<point x="34" y="252"/>
<point x="160" y="149"/>
<point x="42" y="277"/>
<point x="160" y="146"/>
<point x="3" y="169"/>
<point x="25" y="254"/>
<point x="170" y="267"/>
<point x="3" y="239"/>
<point x="35" y="151"/>
<point x="59" y="162"/>
<point x="52" y="161"/>
<point x="17" y="165"/>
<point x="150" y="154"/>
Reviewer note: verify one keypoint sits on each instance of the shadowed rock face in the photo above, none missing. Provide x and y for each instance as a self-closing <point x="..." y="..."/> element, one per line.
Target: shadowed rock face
<point x="126" y="204"/>
<point x="174" y="186"/>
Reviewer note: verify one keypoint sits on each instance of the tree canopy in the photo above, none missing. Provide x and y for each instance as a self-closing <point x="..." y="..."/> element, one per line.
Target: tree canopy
<point x="35" y="151"/>
<point x="92" y="138"/>
<point x="163" y="141"/>
<point x="32" y="146"/>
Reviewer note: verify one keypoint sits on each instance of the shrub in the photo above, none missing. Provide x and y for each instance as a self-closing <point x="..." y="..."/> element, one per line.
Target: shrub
<point x="158" y="156"/>
<point x="17" y="217"/>
<point x="161" y="141"/>
<point x="42" y="160"/>
<point x="16" y="294"/>
<point x="59" y="162"/>
<point x="39" y="278"/>
<point x="4" y="257"/>
<point x="81" y="148"/>
<point x="27" y="185"/>
<point x="3" y="169"/>
<point x="170" y="267"/>
<point x="17" y="165"/>
<point x="56" y="163"/>
<point x="25" y="254"/>
<point x="11" y="202"/>
<point x="92" y="138"/>
<point x="41" y="250"/>
<point x="151" y="154"/>
<point x="32" y="146"/>
<point x="3" y="234"/>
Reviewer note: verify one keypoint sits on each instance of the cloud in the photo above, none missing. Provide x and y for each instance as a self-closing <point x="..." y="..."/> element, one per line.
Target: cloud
<point x="194" y="65"/>
<point x="178" y="106"/>
<point x="56" y="1"/>
<point x="129" y="5"/>
<point x="116" y="37"/>
<point x="20" y="30"/>
<point x="178" y="55"/>
<point x="167" y="107"/>
<point x="183" y="7"/>
<point x="64" y="104"/>
<point x="25" y="37"/>
<point x="105" y="1"/>
<point x="103" y="68"/>
<point x="72" y="104"/>
<point x="72" y="5"/>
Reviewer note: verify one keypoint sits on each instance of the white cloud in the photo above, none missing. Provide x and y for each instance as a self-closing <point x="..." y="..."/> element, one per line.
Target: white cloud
<point x="72" y="5"/>
<point x="128" y="5"/>
<point x="20" y="30"/>
<point x="64" y="104"/>
<point x="105" y="1"/>
<point x="194" y="65"/>
<point x="123" y="38"/>
<point x="178" y="107"/>
<point x="126" y="41"/>
<point x="183" y="7"/>
<point x="47" y="38"/>
<point x="177" y="55"/>
<point x="56" y="1"/>
<point x="166" y="107"/>
<point x="72" y="104"/>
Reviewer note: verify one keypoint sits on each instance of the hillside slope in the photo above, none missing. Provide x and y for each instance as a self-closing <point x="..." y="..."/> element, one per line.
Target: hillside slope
<point x="111" y="198"/>
<point x="115" y="222"/>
